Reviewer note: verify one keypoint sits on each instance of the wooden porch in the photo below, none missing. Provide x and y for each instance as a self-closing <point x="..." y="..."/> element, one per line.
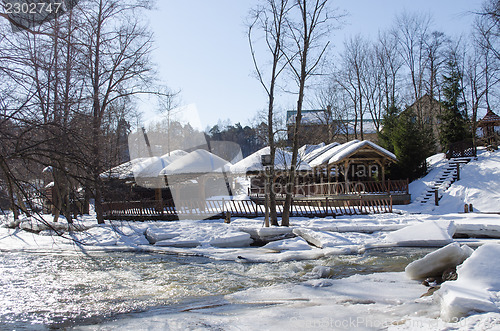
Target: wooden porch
<point x="397" y="189"/>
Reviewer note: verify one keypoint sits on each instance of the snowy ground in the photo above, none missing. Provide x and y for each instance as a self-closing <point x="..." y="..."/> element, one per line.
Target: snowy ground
<point x="385" y="300"/>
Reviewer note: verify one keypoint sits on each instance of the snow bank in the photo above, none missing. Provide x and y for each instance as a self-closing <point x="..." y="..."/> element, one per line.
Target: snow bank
<point x="477" y="287"/>
<point x="435" y="263"/>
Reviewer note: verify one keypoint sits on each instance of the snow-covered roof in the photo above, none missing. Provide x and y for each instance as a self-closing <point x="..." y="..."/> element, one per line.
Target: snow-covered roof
<point x="122" y="171"/>
<point x="199" y="161"/>
<point x="151" y="167"/>
<point x="252" y="163"/>
<point x="307" y="149"/>
<point x="351" y="149"/>
<point x="331" y="152"/>
<point x="143" y="167"/>
<point x="319" y="151"/>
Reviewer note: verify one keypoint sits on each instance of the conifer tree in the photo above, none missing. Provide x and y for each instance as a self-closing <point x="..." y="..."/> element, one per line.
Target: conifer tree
<point x="454" y="125"/>
<point x="412" y="145"/>
<point x="389" y="122"/>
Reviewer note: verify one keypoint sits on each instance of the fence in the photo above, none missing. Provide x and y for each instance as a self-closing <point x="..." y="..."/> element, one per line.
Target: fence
<point x="318" y="207"/>
<point x="463" y="148"/>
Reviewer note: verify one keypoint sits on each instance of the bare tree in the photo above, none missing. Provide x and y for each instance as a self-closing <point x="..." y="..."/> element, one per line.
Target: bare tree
<point x="434" y="46"/>
<point x="352" y="78"/>
<point x="390" y="63"/>
<point x="271" y="20"/>
<point x="116" y="65"/>
<point x="411" y="31"/>
<point x="308" y="33"/>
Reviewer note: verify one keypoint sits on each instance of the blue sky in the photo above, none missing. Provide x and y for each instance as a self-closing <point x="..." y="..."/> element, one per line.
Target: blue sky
<point x="202" y="49"/>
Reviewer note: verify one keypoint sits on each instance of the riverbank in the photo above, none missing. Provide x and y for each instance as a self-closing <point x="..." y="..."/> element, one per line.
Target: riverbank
<point x="318" y="291"/>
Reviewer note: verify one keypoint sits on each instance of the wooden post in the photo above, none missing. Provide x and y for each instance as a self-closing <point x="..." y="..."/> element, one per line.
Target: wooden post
<point x="458" y="171"/>
<point x="266" y="199"/>
<point x="227" y="219"/>
<point x="436" y="197"/>
<point x="326" y="206"/>
<point x="346" y="174"/>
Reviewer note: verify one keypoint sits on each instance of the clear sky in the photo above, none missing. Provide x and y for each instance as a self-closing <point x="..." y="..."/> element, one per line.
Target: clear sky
<point x="202" y="48"/>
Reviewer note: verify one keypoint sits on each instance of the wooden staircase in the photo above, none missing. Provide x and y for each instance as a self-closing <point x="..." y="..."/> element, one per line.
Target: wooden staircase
<point x="443" y="180"/>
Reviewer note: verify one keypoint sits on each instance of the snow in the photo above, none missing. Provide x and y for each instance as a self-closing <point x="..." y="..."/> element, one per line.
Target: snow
<point x="292" y="244"/>
<point x="327" y="155"/>
<point x="252" y="163"/>
<point x="151" y="167"/>
<point x="352" y="148"/>
<point x="322" y="239"/>
<point x="479" y="185"/>
<point x="199" y="161"/>
<point x="307" y="149"/>
<point x="319" y="151"/>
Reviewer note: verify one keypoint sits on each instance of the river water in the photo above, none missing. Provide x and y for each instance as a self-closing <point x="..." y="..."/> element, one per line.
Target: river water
<point x="61" y="290"/>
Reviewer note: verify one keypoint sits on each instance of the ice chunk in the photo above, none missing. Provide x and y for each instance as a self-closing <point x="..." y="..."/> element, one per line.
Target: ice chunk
<point x="154" y="234"/>
<point x="293" y="244"/>
<point x="178" y="243"/>
<point x="430" y="233"/>
<point x="479" y="230"/>
<point x="477" y="286"/>
<point x="458" y="301"/>
<point x="268" y="234"/>
<point x="322" y="239"/>
<point x="234" y="239"/>
<point x="435" y="263"/>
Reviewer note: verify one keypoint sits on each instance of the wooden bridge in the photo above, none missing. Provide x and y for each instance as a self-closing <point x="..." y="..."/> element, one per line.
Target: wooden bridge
<point x="214" y="209"/>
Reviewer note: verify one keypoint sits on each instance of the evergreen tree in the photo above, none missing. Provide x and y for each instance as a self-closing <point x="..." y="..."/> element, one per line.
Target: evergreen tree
<point x="412" y="145"/>
<point x="454" y="126"/>
<point x="389" y="123"/>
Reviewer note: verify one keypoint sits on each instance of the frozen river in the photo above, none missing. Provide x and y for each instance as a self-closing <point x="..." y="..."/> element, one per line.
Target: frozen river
<point x="47" y="290"/>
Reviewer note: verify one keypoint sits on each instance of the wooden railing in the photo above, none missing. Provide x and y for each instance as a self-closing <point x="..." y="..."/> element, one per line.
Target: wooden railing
<point x="340" y="188"/>
<point x="320" y="207"/>
<point x="463" y="148"/>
